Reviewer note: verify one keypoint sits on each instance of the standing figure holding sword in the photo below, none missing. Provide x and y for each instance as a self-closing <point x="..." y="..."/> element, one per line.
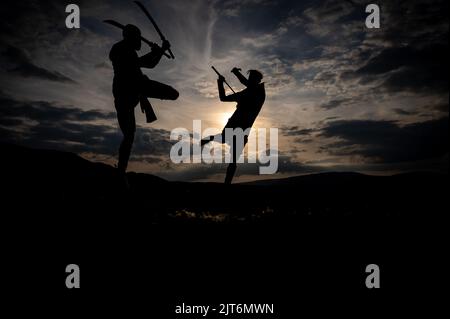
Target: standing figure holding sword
<point x="249" y="104"/>
<point x="131" y="86"/>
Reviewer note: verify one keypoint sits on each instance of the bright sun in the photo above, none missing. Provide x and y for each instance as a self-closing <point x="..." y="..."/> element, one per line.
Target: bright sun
<point x="223" y="118"/>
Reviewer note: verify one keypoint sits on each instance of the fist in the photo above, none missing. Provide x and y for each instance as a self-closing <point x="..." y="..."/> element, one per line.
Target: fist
<point x="234" y="70"/>
<point x="165" y="45"/>
<point x="153" y="46"/>
<point x="221" y="78"/>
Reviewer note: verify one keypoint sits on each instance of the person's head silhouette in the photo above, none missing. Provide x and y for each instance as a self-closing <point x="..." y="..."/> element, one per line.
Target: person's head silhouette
<point x="132" y="35"/>
<point x="254" y="77"/>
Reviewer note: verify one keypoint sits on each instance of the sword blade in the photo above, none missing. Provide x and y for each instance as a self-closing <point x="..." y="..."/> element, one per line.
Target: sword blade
<point x="121" y="26"/>
<point x="215" y="70"/>
<point x="163" y="38"/>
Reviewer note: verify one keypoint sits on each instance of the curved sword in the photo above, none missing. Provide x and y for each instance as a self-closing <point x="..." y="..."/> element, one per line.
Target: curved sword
<point x="163" y="38"/>
<point x="121" y="26"/>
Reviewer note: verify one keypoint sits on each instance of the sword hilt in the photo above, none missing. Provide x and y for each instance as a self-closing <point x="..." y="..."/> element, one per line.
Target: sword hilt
<point x="220" y="75"/>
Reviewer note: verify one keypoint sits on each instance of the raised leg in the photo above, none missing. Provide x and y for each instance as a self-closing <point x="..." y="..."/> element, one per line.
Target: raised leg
<point x="158" y="90"/>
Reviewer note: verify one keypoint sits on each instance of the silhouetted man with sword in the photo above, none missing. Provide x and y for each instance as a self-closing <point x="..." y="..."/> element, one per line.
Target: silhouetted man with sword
<point x="131" y="86"/>
<point x="249" y="104"/>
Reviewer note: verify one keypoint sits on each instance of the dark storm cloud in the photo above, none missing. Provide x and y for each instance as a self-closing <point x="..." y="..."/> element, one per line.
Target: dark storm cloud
<point x="43" y="124"/>
<point x="36" y="45"/>
<point x="297" y="131"/>
<point x="10" y="122"/>
<point x="441" y="107"/>
<point x="394" y="58"/>
<point x="407" y="54"/>
<point x="43" y="111"/>
<point x="386" y="141"/>
<point x="301" y="136"/>
<point x="23" y="66"/>
<point x="411" y="68"/>
<point x="417" y="59"/>
<point x="415" y="23"/>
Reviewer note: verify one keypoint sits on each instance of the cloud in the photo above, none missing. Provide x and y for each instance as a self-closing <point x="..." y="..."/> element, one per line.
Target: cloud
<point x="232" y="8"/>
<point x="401" y="111"/>
<point x="407" y="56"/>
<point x="329" y="11"/>
<point x="266" y="39"/>
<point x="386" y="141"/>
<point x="296" y="131"/>
<point x="23" y="66"/>
<point x="44" y="111"/>
<point x="331" y="104"/>
<point x="326" y="18"/>
<point x="319" y="62"/>
<point x="43" y="124"/>
<point x="411" y="68"/>
<point x="441" y="107"/>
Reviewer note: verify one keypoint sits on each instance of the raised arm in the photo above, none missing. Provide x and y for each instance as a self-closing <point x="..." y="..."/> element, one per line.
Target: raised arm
<point x="151" y="59"/>
<point x="223" y="97"/>
<point x="239" y="75"/>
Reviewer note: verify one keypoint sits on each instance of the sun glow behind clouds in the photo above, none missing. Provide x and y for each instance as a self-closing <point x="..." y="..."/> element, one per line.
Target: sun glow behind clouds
<point x="223" y="118"/>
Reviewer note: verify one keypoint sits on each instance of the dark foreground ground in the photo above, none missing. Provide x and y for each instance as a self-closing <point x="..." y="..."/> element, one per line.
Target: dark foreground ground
<point x="302" y="243"/>
<point x="64" y="183"/>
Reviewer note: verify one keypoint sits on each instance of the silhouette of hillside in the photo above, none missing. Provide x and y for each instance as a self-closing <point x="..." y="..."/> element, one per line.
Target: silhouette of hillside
<point x="61" y="184"/>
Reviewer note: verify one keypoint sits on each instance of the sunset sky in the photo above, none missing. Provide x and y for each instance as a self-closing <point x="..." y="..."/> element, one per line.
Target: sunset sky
<point x="344" y="97"/>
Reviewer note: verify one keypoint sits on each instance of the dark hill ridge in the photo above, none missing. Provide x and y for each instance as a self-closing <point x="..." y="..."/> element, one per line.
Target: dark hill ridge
<point x="62" y="182"/>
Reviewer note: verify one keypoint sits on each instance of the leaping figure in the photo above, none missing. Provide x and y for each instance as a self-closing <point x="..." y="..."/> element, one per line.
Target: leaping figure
<point x="249" y="104"/>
